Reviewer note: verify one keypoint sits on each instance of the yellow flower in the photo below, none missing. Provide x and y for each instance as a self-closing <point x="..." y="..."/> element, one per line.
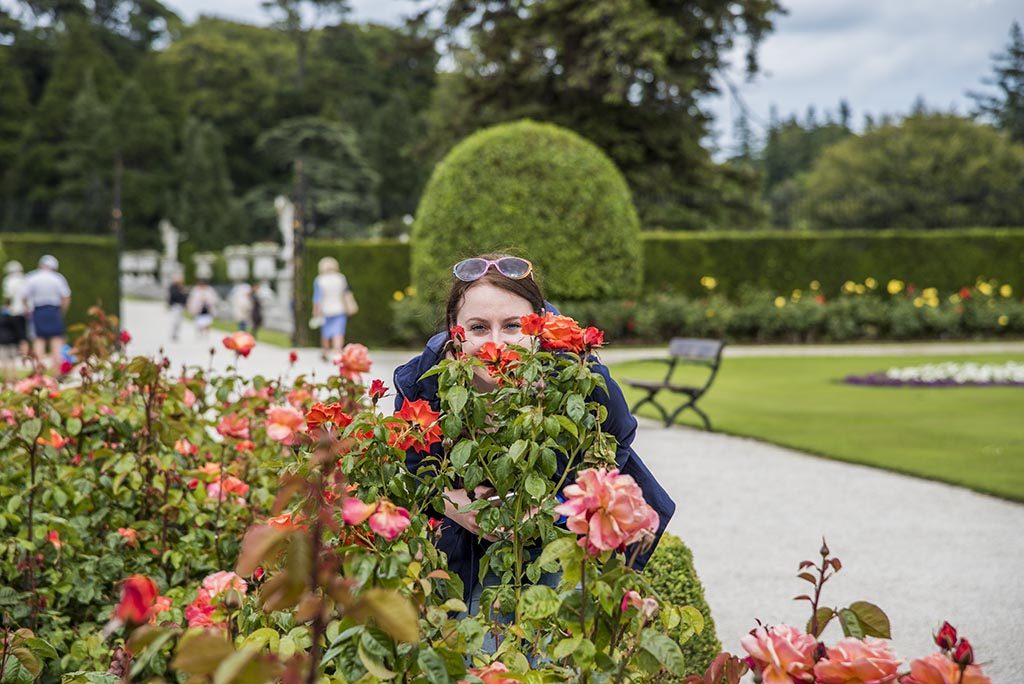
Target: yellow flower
<point x="398" y="295"/>
<point x="918" y="302"/>
<point x="780" y="302"/>
<point x="984" y="288"/>
<point x="709" y="282"/>
<point x="411" y="291"/>
<point x="930" y="293"/>
<point x="1006" y="291"/>
<point x="815" y="285"/>
<point x="710" y="313"/>
<point x="858" y="288"/>
<point x="796" y="295"/>
<point x="871" y="283"/>
<point x="1004" y="320"/>
<point x="954" y="299"/>
<point x="849" y="286"/>
<point x="894" y="287"/>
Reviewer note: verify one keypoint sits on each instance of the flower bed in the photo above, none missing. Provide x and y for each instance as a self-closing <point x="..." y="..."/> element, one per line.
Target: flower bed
<point x="948" y="374"/>
<point x="275" y="529"/>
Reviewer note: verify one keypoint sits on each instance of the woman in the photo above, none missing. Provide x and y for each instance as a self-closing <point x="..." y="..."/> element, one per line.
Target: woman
<point x="329" y="305"/>
<point x="488" y="296"/>
<point x="202" y="304"/>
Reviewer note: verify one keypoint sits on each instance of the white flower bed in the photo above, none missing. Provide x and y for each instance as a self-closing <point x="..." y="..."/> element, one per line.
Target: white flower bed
<point x="1007" y="373"/>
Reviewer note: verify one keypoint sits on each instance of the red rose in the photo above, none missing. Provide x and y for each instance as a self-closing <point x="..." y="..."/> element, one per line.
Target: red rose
<point x="964" y="654"/>
<point x="946" y="638"/>
<point x="532" y="325"/>
<point x="593" y="338"/>
<point x="125" y="337"/>
<point x="489" y="353"/>
<point x="965" y="293"/>
<point x="458" y="333"/>
<point x="240" y="342"/>
<point x="377" y="389"/>
<point x="138" y="596"/>
<point x="561" y="333"/>
<point x="293" y="356"/>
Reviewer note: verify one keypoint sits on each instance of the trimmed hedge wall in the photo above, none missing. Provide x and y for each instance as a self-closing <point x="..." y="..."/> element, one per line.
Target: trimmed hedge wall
<point x="671" y="573"/>
<point x="88" y="262"/>
<point x="375" y="270"/>
<point x="781" y="262"/>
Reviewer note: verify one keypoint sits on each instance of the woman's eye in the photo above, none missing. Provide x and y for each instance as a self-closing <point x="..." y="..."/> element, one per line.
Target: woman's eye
<point x="514" y="326"/>
<point x="476" y="328"/>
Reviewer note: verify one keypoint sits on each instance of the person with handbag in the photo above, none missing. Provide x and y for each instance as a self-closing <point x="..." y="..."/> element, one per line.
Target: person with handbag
<point x="333" y="303"/>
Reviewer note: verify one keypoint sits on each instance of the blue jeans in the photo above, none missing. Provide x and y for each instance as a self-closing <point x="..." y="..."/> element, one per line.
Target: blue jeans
<point x="550" y="579"/>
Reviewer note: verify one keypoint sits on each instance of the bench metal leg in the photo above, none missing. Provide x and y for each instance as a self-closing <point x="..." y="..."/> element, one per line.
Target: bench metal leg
<point x="693" y="407"/>
<point x="650" y="399"/>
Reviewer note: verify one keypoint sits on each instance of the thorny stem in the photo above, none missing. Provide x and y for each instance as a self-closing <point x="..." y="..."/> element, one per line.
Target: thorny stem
<point x="318" y="626"/>
<point x="29" y="554"/>
<point x="817" y="593"/>
<point x="220" y="501"/>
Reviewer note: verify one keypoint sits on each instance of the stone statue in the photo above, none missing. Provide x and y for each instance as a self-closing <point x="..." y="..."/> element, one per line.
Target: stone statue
<point x="170" y="236"/>
<point x="286" y="224"/>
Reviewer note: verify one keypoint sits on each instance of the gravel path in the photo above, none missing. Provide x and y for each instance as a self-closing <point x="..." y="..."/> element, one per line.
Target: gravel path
<point x="923" y="551"/>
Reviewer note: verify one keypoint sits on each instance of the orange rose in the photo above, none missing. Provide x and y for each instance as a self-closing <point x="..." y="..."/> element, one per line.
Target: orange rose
<point x="240" y="342"/>
<point x="561" y="333"/>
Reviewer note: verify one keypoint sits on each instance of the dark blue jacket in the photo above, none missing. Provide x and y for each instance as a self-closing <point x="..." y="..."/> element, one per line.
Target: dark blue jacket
<point x="463" y="548"/>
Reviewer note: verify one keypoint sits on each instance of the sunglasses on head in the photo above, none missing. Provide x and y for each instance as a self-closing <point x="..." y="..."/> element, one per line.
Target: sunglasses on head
<point x="469" y="270"/>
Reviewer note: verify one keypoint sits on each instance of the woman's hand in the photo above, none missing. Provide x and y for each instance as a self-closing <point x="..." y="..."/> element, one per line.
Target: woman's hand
<point x="454" y="499"/>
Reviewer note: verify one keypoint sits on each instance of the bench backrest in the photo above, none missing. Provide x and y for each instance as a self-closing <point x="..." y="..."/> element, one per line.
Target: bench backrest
<point x="695" y="350"/>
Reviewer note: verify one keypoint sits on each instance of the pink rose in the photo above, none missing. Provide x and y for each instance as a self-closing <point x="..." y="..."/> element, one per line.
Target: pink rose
<point x="353" y="361"/>
<point x="355" y="512"/>
<point x="852" y="661"/>
<point x="608" y="509"/>
<point x="939" y="669"/>
<point x="782" y="654"/>
<point x="161" y="605"/>
<point x="240" y="342"/>
<point x="283" y="422"/>
<point x="222" y="487"/>
<point x="199" y="613"/>
<point x="492" y="674"/>
<point x="234" y="425"/>
<point x="220" y="582"/>
<point x="389" y="520"/>
<point x="647" y="606"/>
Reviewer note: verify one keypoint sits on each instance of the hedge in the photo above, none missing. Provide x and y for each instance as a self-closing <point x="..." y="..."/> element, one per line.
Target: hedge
<point x="672" y="575"/>
<point x="375" y="270"/>
<point x="536" y="190"/>
<point x="88" y="262"/>
<point x="781" y="262"/>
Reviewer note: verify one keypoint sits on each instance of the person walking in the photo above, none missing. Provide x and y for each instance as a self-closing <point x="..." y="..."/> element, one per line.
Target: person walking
<point x="329" y="290"/>
<point x="241" y="305"/>
<point x="47" y="295"/>
<point x="202" y="303"/>
<point x="14" y="306"/>
<point x="256" y="308"/>
<point x="177" y="298"/>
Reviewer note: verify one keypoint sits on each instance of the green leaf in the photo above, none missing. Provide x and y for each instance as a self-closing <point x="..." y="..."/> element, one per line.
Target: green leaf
<point x="536" y="485"/>
<point x="200" y="653"/>
<point x="538" y="602"/>
<point x="566" y="647"/>
<point x="664" y="650"/>
<point x="552" y="427"/>
<point x="374" y="666"/>
<point x="433" y="667"/>
<point x="457" y="397"/>
<point x="873" y="620"/>
<point x="850" y="624"/>
<point x="568" y="425"/>
<point x="825" y="616"/>
<point x="575" y="407"/>
<point x="561" y="549"/>
<point x="461" y="453"/>
<point x="73" y="426"/>
<point x="391" y="611"/>
<point x="518" y="449"/>
<point x="30" y="429"/>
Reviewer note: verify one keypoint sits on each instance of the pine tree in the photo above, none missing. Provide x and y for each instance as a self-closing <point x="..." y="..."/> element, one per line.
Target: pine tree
<point x="1006" y="108"/>
<point x="204" y="205"/>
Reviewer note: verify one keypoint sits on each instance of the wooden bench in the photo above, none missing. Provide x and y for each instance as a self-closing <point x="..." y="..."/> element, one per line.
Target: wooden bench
<point x="683" y="351"/>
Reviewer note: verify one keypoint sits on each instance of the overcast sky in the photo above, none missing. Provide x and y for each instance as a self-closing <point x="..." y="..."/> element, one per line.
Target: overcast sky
<point x="878" y="54"/>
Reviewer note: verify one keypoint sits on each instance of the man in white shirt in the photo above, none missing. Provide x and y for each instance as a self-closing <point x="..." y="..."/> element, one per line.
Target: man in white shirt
<point x="47" y="295"/>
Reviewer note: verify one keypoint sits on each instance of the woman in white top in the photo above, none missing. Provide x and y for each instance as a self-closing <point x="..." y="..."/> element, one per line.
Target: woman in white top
<point x="202" y="304"/>
<point x="329" y="305"/>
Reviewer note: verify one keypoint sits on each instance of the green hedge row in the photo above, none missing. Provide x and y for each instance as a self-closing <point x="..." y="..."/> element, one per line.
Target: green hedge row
<point x="780" y="262"/>
<point x="673" y="576"/>
<point x="88" y="262"/>
<point x="375" y="270"/>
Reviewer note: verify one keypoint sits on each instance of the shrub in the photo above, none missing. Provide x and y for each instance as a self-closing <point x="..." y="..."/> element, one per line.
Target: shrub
<point x="537" y="190"/>
<point x="673" y="577"/>
<point x="88" y="262"/>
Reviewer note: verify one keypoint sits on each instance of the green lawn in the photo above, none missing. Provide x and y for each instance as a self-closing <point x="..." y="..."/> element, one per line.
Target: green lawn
<point x="972" y="437"/>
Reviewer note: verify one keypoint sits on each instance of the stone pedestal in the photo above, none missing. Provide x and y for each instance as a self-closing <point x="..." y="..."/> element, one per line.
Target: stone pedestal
<point x="237" y="258"/>
<point x="204" y="265"/>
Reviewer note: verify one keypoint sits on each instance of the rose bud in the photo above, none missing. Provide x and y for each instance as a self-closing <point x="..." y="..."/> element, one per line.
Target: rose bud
<point x="964" y="654"/>
<point x="946" y="638"/>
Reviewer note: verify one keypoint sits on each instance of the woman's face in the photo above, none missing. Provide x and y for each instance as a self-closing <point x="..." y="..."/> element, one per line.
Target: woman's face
<point x="491" y="314"/>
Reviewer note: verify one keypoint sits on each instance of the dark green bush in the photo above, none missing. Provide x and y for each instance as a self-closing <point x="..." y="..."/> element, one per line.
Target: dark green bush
<point x="375" y="270"/>
<point x="781" y="262"/>
<point x="88" y="262"/>
<point x="536" y="190"/>
<point x="672" y="575"/>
